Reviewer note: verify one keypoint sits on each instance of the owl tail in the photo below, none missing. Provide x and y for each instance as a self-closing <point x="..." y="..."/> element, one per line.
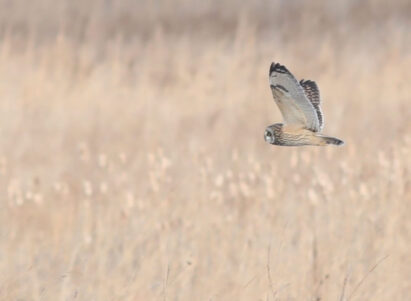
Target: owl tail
<point x="332" y="140"/>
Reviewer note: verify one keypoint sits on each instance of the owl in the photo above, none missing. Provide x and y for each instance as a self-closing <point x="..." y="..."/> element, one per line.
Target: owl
<point x="299" y="103"/>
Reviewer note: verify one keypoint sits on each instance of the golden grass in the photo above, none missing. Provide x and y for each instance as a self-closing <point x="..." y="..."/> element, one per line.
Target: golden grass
<point x="133" y="166"/>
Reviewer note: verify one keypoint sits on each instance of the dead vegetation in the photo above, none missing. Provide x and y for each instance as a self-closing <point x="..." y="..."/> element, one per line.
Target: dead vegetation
<point x="133" y="165"/>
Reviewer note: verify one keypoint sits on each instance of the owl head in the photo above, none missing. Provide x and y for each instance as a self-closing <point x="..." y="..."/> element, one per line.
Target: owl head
<point x="272" y="133"/>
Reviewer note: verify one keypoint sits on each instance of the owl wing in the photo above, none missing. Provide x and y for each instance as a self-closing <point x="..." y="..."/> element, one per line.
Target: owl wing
<point x="293" y="103"/>
<point x="313" y="94"/>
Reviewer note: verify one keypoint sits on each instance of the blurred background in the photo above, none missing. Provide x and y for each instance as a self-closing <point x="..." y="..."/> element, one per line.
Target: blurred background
<point x="133" y="165"/>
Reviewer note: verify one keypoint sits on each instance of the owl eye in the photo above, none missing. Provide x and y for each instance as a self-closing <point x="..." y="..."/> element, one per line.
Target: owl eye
<point x="268" y="136"/>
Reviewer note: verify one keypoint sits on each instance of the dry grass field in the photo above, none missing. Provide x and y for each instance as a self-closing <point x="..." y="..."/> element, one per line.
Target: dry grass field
<point x="133" y="165"/>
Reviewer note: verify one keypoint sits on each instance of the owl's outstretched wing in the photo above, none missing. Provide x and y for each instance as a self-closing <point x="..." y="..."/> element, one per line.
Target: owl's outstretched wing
<point x="313" y="95"/>
<point x="291" y="99"/>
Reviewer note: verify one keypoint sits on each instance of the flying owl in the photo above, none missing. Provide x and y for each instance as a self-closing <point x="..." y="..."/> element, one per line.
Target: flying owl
<point x="299" y="103"/>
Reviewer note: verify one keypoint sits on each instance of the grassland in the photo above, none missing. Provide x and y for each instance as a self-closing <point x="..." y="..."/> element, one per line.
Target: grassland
<point x="133" y="165"/>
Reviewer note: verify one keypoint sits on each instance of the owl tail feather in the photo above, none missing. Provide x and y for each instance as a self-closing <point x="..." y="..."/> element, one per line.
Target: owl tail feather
<point x="332" y="140"/>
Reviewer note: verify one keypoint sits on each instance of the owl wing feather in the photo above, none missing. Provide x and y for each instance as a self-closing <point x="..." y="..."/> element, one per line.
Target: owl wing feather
<point x="293" y="103"/>
<point x="313" y="94"/>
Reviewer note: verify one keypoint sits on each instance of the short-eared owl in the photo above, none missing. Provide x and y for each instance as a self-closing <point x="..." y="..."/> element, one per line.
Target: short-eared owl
<point x="299" y="103"/>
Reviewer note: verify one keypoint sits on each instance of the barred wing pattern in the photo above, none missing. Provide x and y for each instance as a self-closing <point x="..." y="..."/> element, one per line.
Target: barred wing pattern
<point x="311" y="90"/>
<point x="291" y="99"/>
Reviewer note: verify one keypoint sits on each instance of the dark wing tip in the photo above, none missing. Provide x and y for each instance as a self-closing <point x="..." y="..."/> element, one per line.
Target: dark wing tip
<point x="272" y="67"/>
<point x="310" y="83"/>
<point x="276" y="67"/>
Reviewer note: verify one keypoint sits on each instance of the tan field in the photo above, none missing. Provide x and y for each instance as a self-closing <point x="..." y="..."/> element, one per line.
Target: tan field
<point x="133" y="164"/>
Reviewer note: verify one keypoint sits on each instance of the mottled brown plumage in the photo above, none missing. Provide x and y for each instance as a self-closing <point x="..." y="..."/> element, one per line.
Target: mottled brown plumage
<point x="313" y="94"/>
<point x="299" y="103"/>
